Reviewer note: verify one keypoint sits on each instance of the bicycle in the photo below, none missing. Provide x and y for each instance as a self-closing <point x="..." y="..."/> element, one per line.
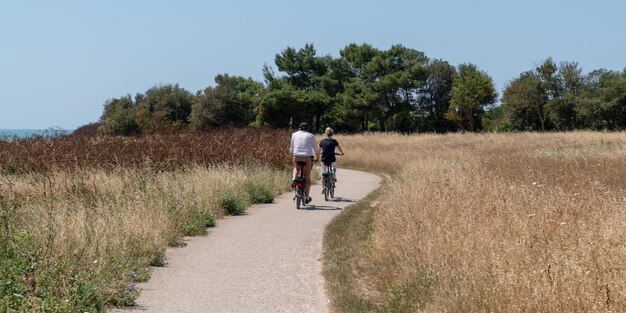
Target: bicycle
<point x="328" y="180"/>
<point x="300" y="197"/>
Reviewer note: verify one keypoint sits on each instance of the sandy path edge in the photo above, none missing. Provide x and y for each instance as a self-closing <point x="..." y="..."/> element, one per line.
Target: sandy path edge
<point x="268" y="260"/>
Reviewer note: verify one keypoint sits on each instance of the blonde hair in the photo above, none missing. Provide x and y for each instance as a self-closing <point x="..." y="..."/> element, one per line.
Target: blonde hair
<point x="328" y="132"/>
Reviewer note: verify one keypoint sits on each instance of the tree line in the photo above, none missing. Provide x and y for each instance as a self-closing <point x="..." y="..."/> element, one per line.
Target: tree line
<point x="369" y="89"/>
<point x="561" y="97"/>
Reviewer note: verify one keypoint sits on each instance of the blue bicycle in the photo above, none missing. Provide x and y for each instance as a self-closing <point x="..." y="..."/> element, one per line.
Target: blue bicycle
<point x="328" y="180"/>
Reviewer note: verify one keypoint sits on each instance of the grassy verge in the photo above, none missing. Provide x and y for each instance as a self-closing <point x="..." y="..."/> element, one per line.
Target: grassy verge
<point x="356" y="280"/>
<point x="79" y="240"/>
<point x="346" y="246"/>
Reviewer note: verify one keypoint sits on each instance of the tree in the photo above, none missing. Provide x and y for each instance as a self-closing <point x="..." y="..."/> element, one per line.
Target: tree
<point x="118" y="117"/>
<point x="472" y="90"/>
<point x="356" y="101"/>
<point x="602" y="103"/>
<point x="302" y="92"/>
<point x="164" y="106"/>
<point x="281" y="105"/>
<point x="564" y="96"/>
<point x="232" y="101"/>
<point x="398" y="75"/>
<point x="434" y="98"/>
<point x="526" y="101"/>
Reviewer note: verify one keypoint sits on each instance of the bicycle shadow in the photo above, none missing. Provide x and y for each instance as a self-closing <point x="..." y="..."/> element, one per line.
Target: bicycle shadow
<point x="313" y="207"/>
<point x="340" y="199"/>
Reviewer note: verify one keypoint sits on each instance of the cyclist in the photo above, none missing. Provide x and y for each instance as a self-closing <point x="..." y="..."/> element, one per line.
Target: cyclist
<point x="304" y="148"/>
<point x="328" y="146"/>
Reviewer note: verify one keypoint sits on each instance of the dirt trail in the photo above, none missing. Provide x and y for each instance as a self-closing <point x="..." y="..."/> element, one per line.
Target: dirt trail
<point x="265" y="261"/>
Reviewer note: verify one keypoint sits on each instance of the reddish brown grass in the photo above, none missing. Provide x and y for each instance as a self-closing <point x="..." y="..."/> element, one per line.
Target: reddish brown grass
<point x="227" y="146"/>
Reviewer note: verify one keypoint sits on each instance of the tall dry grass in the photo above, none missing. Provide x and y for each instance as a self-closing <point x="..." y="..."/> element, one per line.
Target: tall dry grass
<point x="83" y="217"/>
<point x="102" y="229"/>
<point x="496" y="222"/>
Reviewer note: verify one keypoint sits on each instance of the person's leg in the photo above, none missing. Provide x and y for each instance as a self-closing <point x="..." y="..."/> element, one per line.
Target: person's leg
<point x="307" y="175"/>
<point x="334" y="167"/>
<point x="295" y="168"/>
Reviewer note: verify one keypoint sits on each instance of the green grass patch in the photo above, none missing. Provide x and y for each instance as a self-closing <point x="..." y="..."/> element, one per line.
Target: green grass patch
<point x="233" y="203"/>
<point x="260" y="191"/>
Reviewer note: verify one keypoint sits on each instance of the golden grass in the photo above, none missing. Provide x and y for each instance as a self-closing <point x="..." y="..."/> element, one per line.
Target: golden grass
<point x="110" y="225"/>
<point x="496" y="222"/>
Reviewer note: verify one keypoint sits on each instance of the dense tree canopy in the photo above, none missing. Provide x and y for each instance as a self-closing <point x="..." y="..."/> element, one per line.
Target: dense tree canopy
<point x="231" y="102"/>
<point x="472" y="91"/>
<point x="561" y="97"/>
<point x="366" y="88"/>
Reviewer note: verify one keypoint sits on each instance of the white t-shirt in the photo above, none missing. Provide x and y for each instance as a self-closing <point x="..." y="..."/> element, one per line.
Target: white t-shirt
<point x="303" y="144"/>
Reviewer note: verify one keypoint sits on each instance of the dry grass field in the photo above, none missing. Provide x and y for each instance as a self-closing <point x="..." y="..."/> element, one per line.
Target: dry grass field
<point x="82" y="219"/>
<point x="484" y="223"/>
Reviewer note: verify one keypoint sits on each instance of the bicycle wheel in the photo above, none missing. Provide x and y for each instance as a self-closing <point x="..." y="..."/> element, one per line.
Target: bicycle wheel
<point x="299" y="198"/>
<point x="326" y="193"/>
<point x="332" y="191"/>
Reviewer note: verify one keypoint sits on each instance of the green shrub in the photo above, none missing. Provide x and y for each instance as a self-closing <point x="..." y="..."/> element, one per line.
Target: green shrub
<point x="259" y="192"/>
<point x="15" y="259"/>
<point x="233" y="203"/>
<point x="155" y="256"/>
<point x="194" y="221"/>
<point x="87" y="295"/>
<point x="208" y="218"/>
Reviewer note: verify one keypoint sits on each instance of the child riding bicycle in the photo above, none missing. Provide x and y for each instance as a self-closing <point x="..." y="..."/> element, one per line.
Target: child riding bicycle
<point x="328" y="146"/>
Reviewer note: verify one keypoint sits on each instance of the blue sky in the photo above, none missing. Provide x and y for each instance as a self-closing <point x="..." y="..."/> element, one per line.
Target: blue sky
<point x="61" y="60"/>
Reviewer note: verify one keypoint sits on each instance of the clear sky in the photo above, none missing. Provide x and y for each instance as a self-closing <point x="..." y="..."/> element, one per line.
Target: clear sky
<point x="61" y="60"/>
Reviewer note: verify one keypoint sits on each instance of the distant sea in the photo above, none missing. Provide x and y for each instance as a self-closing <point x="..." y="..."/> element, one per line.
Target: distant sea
<point x="27" y="133"/>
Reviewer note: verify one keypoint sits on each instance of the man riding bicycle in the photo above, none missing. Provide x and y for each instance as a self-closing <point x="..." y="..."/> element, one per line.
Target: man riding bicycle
<point x="304" y="148"/>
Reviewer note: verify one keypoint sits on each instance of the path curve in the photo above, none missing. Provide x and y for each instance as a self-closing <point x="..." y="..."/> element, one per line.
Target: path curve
<point x="268" y="260"/>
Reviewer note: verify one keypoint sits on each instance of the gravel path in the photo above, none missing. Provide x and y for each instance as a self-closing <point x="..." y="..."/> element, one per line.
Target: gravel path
<point x="267" y="260"/>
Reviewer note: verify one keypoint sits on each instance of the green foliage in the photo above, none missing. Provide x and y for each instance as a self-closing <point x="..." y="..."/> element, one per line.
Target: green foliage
<point x="371" y="89"/>
<point x="231" y="102"/>
<point x="526" y="101"/>
<point x="305" y="93"/>
<point x="602" y="104"/>
<point x="472" y="90"/>
<point x="35" y="282"/>
<point x="163" y="107"/>
<point x="496" y="119"/>
<point x="15" y="260"/>
<point x="193" y="221"/>
<point x="233" y="203"/>
<point x="119" y="117"/>
<point x="260" y="191"/>
<point x="560" y="97"/>
<point x="434" y="101"/>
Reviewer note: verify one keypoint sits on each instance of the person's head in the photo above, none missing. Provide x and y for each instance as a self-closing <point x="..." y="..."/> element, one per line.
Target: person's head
<point x="304" y="126"/>
<point x="328" y="132"/>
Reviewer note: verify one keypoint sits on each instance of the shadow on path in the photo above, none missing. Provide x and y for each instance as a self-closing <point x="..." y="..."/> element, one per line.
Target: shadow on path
<point x="340" y="199"/>
<point x="321" y="208"/>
